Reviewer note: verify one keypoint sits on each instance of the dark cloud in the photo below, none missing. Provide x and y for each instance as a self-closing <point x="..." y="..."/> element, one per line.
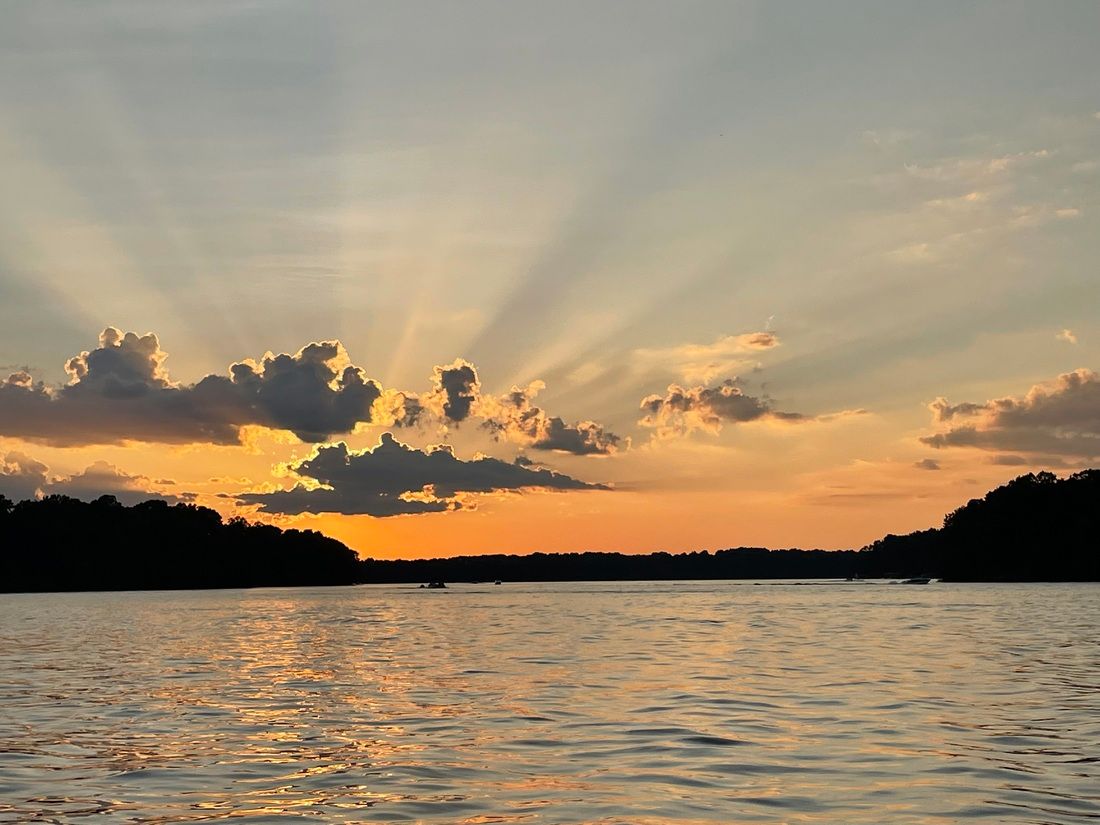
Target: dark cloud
<point x="120" y="391"/>
<point x="1056" y="418"/>
<point x="944" y="411"/>
<point x="394" y="479"/>
<point x="458" y="387"/>
<point x="927" y="464"/>
<point x="457" y="396"/>
<point x="514" y="417"/>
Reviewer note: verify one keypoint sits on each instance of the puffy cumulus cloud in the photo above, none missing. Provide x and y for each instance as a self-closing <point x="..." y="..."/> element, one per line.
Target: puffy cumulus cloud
<point x="21" y="476"/>
<point x="1055" y="418"/>
<point x="121" y="391"/>
<point x="122" y="366"/>
<point x="102" y="478"/>
<point x="1067" y="335"/>
<point x="457" y="396"/>
<point x="704" y="362"/>
<point x="514" y="417"/>
<point x="395" y="479"/>
<point x="315" y="393"/>
<point x="681" y="410"/>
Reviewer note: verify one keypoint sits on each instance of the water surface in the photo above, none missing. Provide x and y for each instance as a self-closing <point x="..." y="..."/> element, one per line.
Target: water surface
<point x="705" y="702"/>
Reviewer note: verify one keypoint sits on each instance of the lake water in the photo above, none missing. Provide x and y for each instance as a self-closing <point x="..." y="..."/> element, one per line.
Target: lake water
<point x="696" y="702"/>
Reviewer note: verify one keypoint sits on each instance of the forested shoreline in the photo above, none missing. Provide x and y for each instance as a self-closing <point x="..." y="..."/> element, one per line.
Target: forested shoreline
<point x="1035" y="528"/>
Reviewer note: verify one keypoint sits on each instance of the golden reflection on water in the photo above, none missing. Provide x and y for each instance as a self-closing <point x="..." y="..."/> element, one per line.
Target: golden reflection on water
<point x="672" y="703"/>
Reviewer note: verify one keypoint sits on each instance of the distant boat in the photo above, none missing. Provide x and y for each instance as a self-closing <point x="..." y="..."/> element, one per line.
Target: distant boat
<point x="433" y="586"/>
<point x="917" y="580"/>
<point x="497" y="581"/>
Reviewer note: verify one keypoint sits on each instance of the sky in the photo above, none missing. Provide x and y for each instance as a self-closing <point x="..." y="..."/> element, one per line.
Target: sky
<point x="441" y="278"/>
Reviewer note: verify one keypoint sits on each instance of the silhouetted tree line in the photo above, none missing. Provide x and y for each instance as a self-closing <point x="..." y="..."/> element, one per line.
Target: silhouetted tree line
<point x="739" y="563"/>
<point x="1035" y="528"/>
<point x="61" y="543"/>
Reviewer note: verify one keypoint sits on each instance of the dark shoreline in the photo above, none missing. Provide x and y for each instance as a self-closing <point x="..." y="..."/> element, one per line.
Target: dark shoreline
<point x="1036" y="528"/>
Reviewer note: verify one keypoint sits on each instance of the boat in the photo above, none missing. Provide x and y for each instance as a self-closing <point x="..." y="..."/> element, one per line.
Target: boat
<point x="917" y="580"/>
<point x="433" y="586"/>
<point x="497" y="581"/>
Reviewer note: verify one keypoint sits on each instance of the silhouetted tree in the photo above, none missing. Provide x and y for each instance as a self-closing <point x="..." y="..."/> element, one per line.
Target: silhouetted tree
<point x="1036" y="527"/>
<point x="61" y="543"/>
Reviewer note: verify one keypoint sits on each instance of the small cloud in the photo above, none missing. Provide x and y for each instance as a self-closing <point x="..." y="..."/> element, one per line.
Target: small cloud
<point x="967" y="201"/>
<point x="683" y="410"/>
<point x="927" y="464"/>
<point x="1067" y="213"/>
<point x="726" y="355"/>
<point x="1067" y="335"/>
<point x="1086" y="167"/>
<point x="514" y="417"/>
<point x="913" y="253"/>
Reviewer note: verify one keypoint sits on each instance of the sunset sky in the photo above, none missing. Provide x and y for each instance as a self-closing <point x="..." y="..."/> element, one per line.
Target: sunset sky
<point x="506" y="277"/>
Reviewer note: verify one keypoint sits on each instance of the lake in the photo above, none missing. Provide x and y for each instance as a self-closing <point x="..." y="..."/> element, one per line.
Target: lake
<point x="666" y="702"/>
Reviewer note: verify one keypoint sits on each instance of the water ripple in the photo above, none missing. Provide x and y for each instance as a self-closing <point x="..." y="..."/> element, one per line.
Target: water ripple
<point x="642" y="703"/>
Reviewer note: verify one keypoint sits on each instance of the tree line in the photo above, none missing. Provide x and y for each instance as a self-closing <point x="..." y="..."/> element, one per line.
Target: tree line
<point x="1035" y="528"/>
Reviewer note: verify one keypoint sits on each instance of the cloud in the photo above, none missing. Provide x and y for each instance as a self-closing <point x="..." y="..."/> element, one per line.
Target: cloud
<point x="1057" y="418"/>
<point x="704" y="362"/>
<point x="1067" y="335"/>
<point x="514" y="417"/>
<point x="457" y="396"/>
<point x="457" y="387"/>
<point x="121" y="392"/>
<point x="102" y="478"/>
<point x="395" y="479"/>
<point x="1050" y="462"/>
<point x="683" y="410"/>
<point x="927" y="464"/>
<point x="972" y="169"/>
<point x="21" y="476"/>
<point x="942" y="410"/>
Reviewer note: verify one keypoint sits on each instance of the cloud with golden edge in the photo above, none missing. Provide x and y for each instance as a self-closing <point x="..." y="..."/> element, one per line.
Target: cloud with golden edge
<point x="121" y="392"/>
<point x="1054" y="418"/>
<point x="23" y="477"/>
<point x="684" y="410"/>
<point x="393" y="479"/>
